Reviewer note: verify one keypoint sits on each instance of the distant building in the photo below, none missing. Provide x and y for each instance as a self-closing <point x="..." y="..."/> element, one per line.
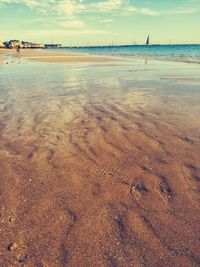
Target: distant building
<point x="31" y="45"/>
<point x="6" y="44"/>
<point x="38" y="45"/>
<point x="14" y="43"/>
<point x="26" y="44"/>
<point x="23" y="44"/>
<point x="52" y="45"/>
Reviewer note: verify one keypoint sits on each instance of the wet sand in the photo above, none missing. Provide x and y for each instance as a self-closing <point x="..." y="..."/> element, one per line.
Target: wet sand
<point x="99" y="165"/>
<point x="4" y="52"/>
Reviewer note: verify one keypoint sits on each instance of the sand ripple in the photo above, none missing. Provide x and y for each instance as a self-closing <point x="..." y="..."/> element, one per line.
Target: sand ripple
<point x="97" y="180"/>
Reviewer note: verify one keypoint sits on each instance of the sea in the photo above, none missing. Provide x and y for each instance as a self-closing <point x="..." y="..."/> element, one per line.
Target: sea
<point x="183" y="53"/>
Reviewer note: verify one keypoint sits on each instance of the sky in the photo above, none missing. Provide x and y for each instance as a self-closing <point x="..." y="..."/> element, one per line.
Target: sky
<point x="100" y="22"/>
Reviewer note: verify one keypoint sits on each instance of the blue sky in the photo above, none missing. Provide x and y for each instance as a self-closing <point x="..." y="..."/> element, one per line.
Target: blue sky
<point x="97" y="22"/>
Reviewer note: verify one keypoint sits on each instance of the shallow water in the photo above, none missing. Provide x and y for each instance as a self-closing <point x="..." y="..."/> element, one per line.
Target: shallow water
<point x="101" y="161"/>
<point x="28" y="88"/>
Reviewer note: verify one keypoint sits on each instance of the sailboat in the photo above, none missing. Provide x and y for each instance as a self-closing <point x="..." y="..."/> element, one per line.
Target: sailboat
<point x="147" y="41"/>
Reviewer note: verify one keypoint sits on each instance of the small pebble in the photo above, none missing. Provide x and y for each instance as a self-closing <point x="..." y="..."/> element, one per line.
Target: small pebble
<point x="12" y="246"/>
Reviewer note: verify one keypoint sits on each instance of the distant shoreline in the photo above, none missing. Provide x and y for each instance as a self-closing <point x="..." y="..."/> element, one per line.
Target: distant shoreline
<point x="103" y="46"/>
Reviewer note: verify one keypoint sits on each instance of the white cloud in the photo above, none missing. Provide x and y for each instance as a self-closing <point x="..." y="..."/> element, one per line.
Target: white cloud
<point x="108" y="5"/>
<point x="148" y="11"/>
<point x="184" y="10"/>
<point x="106" y="20"/>
<point x="69" y="7"/>
<point x="61" y="33"/>
<point x="72" y="7"/>
<point x="72" y="24"/>
<point x="40" y="6"/>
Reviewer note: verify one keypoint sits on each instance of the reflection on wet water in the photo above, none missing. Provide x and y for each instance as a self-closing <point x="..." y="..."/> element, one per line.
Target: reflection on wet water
<point x="58" y="91"/>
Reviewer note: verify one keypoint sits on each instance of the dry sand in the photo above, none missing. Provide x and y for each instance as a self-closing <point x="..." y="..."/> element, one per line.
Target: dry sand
<point x="6" y="51"/>
<point x="50" y="56"/>
<point x="99" y="183"/>
<point x="53" y="56"/>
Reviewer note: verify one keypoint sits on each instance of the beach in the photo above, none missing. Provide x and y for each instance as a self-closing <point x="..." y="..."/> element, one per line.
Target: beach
<point x="99" y="161"/>
<point x="53" y="56"/>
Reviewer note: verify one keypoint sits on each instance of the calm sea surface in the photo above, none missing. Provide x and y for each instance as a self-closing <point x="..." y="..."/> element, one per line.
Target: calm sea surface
<point x="189" y="53"/>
